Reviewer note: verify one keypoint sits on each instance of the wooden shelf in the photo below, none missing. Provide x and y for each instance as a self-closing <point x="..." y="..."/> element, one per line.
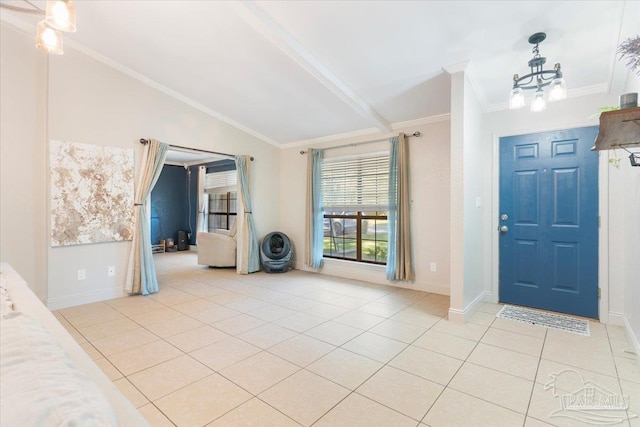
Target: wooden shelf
<point x="619" y="129"/>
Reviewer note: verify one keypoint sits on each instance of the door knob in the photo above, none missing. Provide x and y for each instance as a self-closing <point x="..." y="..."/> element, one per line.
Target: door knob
<point x="504" y="229"/>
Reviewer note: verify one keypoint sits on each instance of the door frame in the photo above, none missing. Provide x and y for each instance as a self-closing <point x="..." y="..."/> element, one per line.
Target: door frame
<point x="603" y="231"/>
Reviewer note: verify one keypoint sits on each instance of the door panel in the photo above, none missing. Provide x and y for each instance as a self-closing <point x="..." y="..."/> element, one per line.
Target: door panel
<point x="549" y="194"/>
<point x="525" y="251"/>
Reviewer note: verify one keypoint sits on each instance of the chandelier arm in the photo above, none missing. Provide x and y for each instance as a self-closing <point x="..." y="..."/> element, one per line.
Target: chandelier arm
<point x="550" y="77"/>
<point x="518" y="82"/>
<point x="545" y="81"/>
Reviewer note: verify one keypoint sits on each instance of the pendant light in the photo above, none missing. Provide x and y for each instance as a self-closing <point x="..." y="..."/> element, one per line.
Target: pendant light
<point x="60" y="15"/>
<point x="538" y="79"/>
<point x="49" y="39"/>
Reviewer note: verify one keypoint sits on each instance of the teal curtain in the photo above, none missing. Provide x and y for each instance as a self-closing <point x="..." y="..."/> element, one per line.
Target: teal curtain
<point x="250" y="256"/>
<point x="315" y="216"/>
<point x="392" y="217"/>
<point x="399" y="254"/>
<point x="141" y="274"/>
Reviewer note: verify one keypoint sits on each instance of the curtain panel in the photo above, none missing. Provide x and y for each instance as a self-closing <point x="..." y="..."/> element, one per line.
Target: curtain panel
<point x="248" y="248"/>
<point x="399" y="255"/>
<point x="314" y="215"/>
<point x="203" y="203"/>
<point x="141" y="273"/>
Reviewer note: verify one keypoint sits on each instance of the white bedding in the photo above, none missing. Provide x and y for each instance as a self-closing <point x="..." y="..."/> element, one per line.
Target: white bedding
<point x="40" y="386"/>
<point x="46" y="378"/>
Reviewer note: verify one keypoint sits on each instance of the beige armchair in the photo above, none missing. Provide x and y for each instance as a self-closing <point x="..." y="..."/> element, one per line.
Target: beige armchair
<point x="217" y="249"/>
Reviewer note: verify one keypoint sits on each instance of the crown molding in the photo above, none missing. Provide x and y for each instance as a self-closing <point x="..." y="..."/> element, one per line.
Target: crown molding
<point x="368" y="132"/>
<point x="170" y="92"/>
<point x="28" y="30"/>
<point x="471" y="75"/>
<point x="456" y="68"/>
<point x="331" y="138"/>
<point x="588" y="90"/>
<point x="571" y="93"/>
<point x="423" y="121"/>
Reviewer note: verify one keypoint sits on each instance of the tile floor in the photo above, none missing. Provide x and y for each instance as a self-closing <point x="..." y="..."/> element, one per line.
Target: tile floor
<point x="214" y="348"/>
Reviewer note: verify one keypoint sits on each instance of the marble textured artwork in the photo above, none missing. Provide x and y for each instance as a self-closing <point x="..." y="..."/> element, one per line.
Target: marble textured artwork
<point x="92" y="193"/>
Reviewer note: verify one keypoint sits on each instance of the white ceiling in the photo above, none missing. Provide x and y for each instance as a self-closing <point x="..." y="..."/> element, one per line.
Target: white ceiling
<point x="289" y="72"/>
<point x="188" y="157"/>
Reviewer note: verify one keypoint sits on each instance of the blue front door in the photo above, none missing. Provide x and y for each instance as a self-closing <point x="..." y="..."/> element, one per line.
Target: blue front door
<point x="549" y="221"/>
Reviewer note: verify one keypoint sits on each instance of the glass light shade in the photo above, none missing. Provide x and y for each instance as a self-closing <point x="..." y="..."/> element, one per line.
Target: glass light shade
<point x="516" y="99"/>
<point x="558" y="89"/>
<point x="538" y="104"/>
<point x="49" y="39"/>
<point x="61" y="15"/>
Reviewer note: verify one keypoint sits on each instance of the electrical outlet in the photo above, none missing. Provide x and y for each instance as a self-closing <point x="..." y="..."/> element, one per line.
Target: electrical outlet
<point x="433" y="267"/>
<point x="111" y="270"/>
<point x="82" y="274"/>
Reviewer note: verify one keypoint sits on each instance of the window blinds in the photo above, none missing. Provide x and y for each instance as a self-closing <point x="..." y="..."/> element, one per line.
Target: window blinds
<point x="220" y="180"/>
<point x="356" y="184"/>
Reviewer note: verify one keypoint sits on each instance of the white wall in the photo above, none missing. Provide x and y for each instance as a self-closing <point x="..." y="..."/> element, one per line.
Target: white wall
<point x="477" y="169"/>
<point x="429" y="170"/>
<point x="456" y="218"/>
<point x="470" y="169"/>
<point x="89" y="102"/>
<point x="23" y="73"/>
<point x="624" y="194"/>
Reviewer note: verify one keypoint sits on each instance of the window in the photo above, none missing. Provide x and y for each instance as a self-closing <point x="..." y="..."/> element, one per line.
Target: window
<point x="355" y="194"/>
<point x="221" y="187"/>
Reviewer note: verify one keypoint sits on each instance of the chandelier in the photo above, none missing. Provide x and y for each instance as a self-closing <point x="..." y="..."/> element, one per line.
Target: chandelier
<point x="60" y="15"/>
<point x="538" y="79"/>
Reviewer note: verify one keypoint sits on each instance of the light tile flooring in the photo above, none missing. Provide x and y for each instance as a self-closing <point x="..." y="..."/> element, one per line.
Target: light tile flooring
<point x="214" y="348"/>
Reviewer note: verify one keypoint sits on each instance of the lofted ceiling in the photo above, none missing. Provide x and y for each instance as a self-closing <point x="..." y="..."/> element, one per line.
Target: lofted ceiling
<point x="290" y="72"/>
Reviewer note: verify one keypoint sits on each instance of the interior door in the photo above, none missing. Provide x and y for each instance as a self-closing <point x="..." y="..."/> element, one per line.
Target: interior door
<point x="549" y="221"/>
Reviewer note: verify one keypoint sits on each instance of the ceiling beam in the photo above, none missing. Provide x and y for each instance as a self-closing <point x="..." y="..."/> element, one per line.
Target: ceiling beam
<point x="253" y="15"/>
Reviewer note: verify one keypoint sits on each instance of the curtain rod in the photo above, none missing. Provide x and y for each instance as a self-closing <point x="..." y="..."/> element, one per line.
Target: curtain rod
<point x="146" y="141"/>
<point x="417" y="134"/>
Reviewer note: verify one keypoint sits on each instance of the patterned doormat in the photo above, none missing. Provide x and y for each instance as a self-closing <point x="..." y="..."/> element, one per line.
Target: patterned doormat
<point x="548" y="320"/>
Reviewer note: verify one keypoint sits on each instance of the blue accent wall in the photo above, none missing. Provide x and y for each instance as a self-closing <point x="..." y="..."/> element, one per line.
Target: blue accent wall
<point x="174" y="200"/>
<point x="169" y="204"/>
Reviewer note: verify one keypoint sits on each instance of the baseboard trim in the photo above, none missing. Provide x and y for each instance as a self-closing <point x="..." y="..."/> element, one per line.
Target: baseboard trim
<point x="632" y="338"/>
<point x="58" y="303"/>
<point x="462" y="316"/>
<point x="421" y="286"/>
<point x="372" y="274"/>
<point x="456" y="315"/>
<point x="616" y="319"/>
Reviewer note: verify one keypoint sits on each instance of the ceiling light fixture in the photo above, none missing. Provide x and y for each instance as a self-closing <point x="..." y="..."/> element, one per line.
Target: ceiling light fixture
<point x="537" y="79"/>
<point x="60" y="15"/>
